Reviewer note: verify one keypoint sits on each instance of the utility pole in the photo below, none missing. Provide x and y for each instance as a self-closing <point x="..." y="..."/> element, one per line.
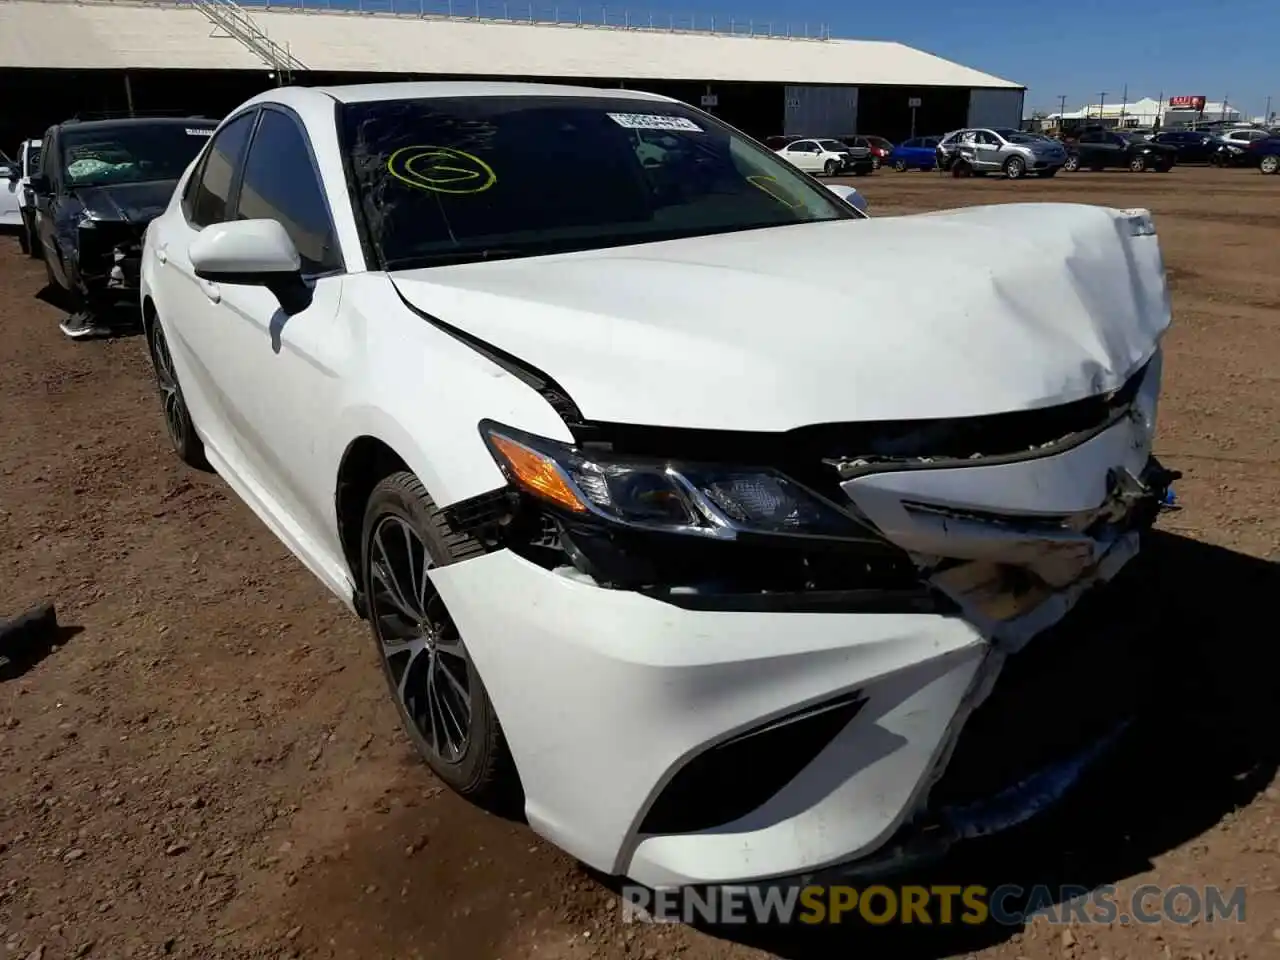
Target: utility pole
<point x="1102" y="103"/>
<point x="1266" y="114"/>
<point x="1124" y="104"/>
<point x="1062" y="107"/>
<point x="1225" y="98"/>
<point x="1159" y="124"/>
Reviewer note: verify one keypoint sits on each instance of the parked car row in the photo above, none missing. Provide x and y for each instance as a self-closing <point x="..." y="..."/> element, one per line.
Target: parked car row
<point x="706" y="600"/>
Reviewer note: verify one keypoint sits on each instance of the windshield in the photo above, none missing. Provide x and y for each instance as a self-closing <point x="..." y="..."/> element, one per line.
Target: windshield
<point x="131" y="153"/>
<point x="833" y="146"/>
<point x="445" y="180"/>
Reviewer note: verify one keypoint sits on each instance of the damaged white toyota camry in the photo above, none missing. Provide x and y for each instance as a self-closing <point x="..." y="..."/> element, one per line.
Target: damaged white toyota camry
<point x="689" y="506"/>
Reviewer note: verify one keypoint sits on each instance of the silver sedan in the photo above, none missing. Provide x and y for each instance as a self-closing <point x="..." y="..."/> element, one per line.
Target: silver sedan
<point x="1002" y="150"/>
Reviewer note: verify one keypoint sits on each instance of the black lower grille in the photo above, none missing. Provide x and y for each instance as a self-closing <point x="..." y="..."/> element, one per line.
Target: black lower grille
<point x="733" y="778"/>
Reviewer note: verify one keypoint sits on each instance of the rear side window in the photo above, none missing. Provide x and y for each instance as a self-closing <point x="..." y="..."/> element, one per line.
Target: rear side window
<point x="280" y="183"/>
<point x="210" y="189"/>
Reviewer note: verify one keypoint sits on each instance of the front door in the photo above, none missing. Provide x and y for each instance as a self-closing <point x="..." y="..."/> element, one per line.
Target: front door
<point x="804" y="155"/>
<point x="280" y="375"/>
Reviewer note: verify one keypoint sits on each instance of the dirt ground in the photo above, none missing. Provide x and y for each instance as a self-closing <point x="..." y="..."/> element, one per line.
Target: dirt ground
<point x="208" y="764"/>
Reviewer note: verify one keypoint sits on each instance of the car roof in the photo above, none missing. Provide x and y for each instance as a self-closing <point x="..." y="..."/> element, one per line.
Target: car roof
<point x="372" y="92"/>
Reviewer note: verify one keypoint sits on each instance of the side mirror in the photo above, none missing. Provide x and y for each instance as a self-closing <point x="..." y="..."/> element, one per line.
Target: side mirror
<point x="39" y="184"/>
<point x="849" y="195"/>
<point x="252" y="253"/>
<point x="10" y="172"/>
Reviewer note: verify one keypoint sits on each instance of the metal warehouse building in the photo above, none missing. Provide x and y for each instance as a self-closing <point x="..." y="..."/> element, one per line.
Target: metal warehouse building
<point x="60" y="58"/>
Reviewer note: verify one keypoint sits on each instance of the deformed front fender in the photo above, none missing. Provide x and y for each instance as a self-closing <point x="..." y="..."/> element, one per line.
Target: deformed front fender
<point x="425" y="393"/>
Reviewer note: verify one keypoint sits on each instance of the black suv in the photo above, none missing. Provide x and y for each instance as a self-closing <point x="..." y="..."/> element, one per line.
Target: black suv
<point x="1100" y="149"/>
<point x="100" y="183"/>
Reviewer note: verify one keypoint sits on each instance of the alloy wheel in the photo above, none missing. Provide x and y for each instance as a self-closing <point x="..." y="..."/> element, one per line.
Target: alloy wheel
<point x="175" y="420"/>
<point x="421" y="648"/>
<point x="1270" y="164"/>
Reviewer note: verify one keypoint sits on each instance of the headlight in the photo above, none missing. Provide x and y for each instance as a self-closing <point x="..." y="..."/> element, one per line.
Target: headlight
<point x="1140" y="222"/>
<point x="702" y="500"/>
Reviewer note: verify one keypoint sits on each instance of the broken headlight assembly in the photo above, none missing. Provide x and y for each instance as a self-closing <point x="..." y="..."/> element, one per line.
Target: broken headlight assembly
<point x="701" y="500"/>
<point x="696" y="530"/>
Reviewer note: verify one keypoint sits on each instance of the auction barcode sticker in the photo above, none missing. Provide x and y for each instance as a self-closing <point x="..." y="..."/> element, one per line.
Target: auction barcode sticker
<point x="192" y="132"/>
<point x="654" y="121"/>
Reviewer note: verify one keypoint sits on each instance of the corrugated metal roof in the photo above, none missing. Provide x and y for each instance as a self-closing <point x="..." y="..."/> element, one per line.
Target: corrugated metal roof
<point x="116" y="34"/>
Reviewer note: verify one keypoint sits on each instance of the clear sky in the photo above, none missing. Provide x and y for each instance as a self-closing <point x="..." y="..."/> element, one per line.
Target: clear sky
<point x="1077" y="47"/>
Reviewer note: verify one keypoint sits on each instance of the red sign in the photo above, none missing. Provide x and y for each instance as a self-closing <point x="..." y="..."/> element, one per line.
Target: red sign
<point x="1187" y="103"/>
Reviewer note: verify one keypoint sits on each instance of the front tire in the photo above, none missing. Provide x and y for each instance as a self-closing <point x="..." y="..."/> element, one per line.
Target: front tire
<point x="1270" y="164"/>
<point x="1138" y="164"/>
<point x="178" y="425"/>
<point x="1014" y="168"/>
<point x="830" y="168"/>
<point x="900" y="166"/>
<point x="442" y="701"/>
<point x="1071" y="165"/>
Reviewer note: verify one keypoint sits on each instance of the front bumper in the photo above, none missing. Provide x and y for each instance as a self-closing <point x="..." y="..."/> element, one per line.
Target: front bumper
<point x="639" y="727"/>
<point x="109" y="258"/>
<point x="605" y="695"/>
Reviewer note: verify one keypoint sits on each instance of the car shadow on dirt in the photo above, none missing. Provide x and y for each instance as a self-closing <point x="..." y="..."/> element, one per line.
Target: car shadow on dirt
<point x="1198" y="676"/>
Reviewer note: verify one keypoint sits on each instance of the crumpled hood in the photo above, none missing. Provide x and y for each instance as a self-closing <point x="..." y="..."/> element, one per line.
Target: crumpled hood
<point x="962" y="313"/>
<point x="138" y="203"/>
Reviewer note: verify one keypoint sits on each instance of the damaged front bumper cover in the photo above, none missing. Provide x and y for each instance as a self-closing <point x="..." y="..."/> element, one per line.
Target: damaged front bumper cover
<point x="109" y="257"/>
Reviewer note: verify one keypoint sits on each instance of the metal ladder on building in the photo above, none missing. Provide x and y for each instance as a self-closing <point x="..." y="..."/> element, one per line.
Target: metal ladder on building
<point x="235" y="22"/>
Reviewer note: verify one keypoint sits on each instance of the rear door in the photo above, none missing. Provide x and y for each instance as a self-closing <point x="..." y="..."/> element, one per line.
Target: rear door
<point x="187" y="305"/>
<point x="1093" y="150"/>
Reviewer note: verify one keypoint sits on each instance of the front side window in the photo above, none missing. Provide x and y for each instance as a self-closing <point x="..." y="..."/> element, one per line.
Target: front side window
<point x="280" y="183"/>
<point x="129" y="153"/>
<point x="210" y="189"/>
<point x="832" y="146"/>
<point x="467" y="178"/>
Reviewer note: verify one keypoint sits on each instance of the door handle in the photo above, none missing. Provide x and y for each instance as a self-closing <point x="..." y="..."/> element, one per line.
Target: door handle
<point x="162" y="253"/>
<point x="211" y="291"/>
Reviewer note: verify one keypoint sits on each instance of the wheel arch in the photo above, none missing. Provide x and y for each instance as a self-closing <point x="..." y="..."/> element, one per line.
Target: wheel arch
<point x="149" y="314"/>
<point x="365" y="463"/>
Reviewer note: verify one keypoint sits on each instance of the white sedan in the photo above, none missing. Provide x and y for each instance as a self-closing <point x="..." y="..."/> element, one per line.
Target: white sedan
<point x="692" y="511"/>
<point x="827" y="157"/>
<point x="10" y="192"/>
